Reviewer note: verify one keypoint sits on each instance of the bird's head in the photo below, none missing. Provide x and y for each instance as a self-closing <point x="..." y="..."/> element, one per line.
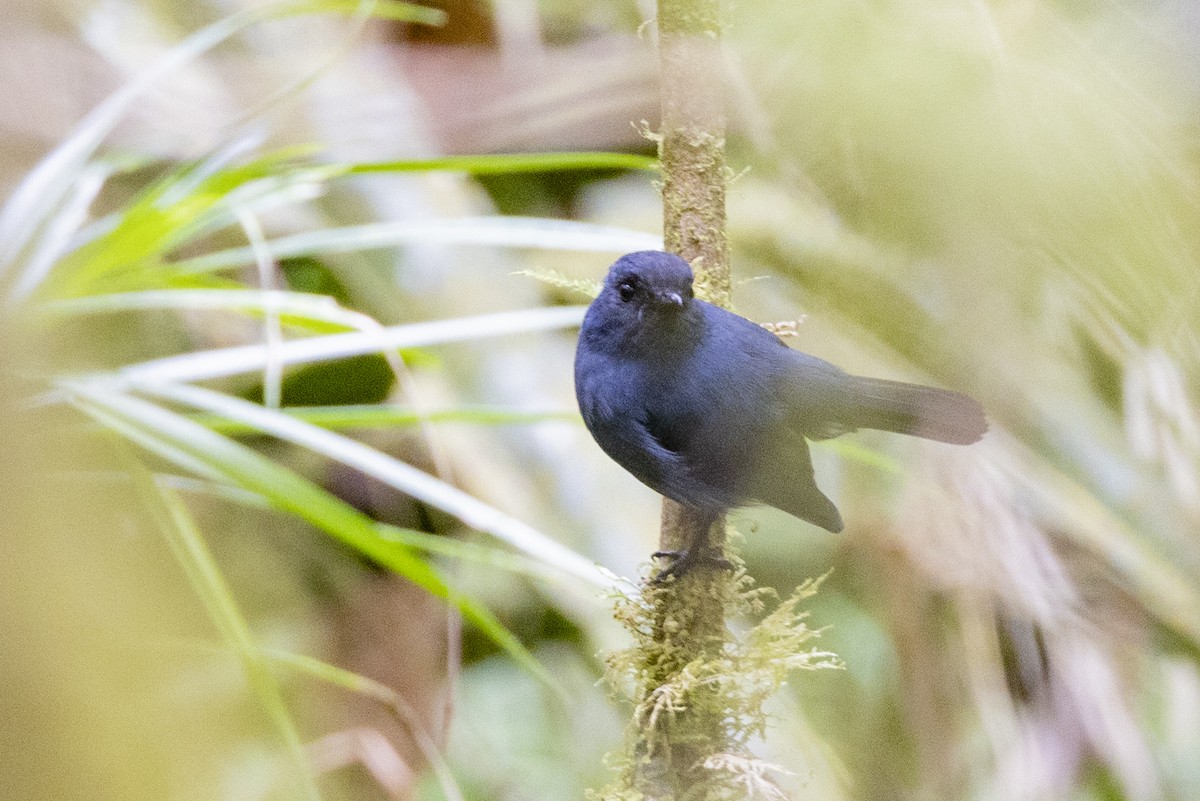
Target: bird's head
<point x="650" y="282"/>
<point x="645" y="306"/>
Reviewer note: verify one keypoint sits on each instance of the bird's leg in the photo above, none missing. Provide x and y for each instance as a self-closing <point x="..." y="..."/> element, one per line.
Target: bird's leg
<point x="697" y="551"/>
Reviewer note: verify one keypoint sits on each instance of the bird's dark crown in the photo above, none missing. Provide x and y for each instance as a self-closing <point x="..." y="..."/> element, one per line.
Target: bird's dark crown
<point x="651" y="276"/>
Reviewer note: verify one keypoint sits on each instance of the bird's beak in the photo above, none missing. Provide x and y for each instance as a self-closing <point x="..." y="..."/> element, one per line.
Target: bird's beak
<point x="670" y="299"/>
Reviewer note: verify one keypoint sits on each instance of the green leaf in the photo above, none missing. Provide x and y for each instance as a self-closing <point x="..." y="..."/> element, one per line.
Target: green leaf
<point x="511" y="163"/>
<point x="388" y="416"/>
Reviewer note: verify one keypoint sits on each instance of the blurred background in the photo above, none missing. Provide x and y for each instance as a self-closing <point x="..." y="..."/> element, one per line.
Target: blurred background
<point x="204" y="599"/>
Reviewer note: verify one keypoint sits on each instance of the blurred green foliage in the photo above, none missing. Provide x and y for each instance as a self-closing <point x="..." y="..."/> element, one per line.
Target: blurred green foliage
<point x="994" y="196"/>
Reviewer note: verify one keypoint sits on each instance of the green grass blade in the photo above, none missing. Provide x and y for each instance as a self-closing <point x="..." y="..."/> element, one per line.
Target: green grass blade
<point x="130" y="251"/>
<point x="272" y="382"/>
<point x="287" y="491"/>
<point x="60" y="228"/>
<point x="388" y="470"/>
<point x="434" y="544"/>
<point x="155" y="444"/>
<point x="381" y="9"/>
<point x="514" y="232"/>
<point x="465" y="551"/>
<point x="388" y="416"/>
<point x="511" y="163"/>
<point x="215" y="487"/>
<point x="214" y="592"/>
<point x="23" y="217"/>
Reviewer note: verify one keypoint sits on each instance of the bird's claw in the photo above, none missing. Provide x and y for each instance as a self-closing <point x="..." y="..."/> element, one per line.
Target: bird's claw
<point x="682" y="561"/>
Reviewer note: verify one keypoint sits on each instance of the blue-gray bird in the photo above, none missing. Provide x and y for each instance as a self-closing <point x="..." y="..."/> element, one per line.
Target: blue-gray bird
<point x="715" y="412"/>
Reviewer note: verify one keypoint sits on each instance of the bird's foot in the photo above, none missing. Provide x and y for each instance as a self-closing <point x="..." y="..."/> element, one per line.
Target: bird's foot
<point x="682" y="561"/>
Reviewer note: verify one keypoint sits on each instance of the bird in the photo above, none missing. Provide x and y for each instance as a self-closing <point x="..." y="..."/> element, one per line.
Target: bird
<point x="715" y="412"/>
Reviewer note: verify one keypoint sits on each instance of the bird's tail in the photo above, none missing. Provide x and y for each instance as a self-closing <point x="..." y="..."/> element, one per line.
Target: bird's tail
<point x="940" y="414"/>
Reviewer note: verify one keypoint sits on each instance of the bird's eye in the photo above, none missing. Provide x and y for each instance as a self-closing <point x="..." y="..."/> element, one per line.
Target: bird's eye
<point x="626" y="289"/>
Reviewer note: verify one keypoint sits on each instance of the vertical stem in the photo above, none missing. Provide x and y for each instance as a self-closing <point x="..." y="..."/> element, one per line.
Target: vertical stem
<point x="689" y="613"/>
<point x="693" y="140"/>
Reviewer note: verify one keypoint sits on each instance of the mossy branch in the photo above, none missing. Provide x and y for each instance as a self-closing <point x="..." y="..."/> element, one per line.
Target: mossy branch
<point x="692" y="141"/>
<point x="698" y="692"/>
<point x="687" y="616"/>
<point x="683" y="691"/>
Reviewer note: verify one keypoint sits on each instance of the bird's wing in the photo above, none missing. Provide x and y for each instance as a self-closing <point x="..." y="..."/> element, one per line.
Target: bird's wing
<point x="612" y="399"/>
<point x="641" y="450"/>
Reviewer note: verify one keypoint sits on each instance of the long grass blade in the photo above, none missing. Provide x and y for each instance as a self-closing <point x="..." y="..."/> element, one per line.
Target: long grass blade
<point x="511" y="163"/>
<point x="514" y="232"/>
<point x="224" y="362"/>
<point x="272" y="327"/>
<point x="49" y="182"/>
<point x="403" y="477"/>
<point x="388" y="416"/>
<point x="209" y="584"/>
<point x="128" y="253"/>
<point x="290" y="305"/>
<point x="433" y="544"/>
<point x="59" y="230"/>
<point x="287" y="491"/>
<point x="383" y="9"/>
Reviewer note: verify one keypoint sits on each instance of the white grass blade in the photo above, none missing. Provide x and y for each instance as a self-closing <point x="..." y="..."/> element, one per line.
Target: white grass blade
<point x="236" y="147"/>
<point x="317" y="308"/>
<point x="272" y="329"/>
<point x="404" y="477"/>
<point x="267" y="194"/>
<point x="515" y="232"/>
<point x="223" y="362"/>
<point x="59" y="232"/>
<point x="292" y="186"/>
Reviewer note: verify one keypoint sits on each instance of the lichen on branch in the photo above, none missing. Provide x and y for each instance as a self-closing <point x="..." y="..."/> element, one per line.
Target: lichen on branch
<point x="726" y="687"/>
